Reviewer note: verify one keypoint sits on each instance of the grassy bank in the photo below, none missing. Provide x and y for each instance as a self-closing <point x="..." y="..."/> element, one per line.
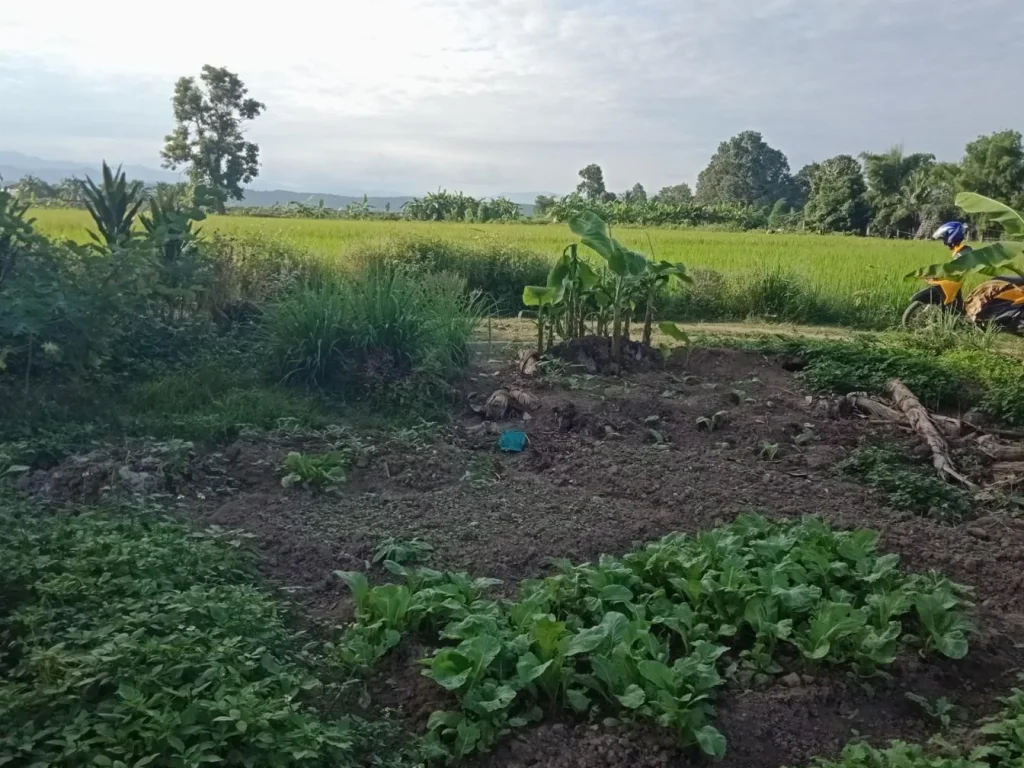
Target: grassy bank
<point x="807" y="278"/>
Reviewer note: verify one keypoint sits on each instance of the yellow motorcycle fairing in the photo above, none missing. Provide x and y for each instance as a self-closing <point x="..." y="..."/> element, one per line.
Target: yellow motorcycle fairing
<point x="950" y="288"/>
<point x="1014" y="294"/>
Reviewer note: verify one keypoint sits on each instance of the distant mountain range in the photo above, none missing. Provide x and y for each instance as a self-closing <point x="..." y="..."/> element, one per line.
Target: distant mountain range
<point x="15" y="165"/>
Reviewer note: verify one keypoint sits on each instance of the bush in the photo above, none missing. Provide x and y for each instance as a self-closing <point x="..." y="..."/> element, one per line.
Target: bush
<point x="383" y="330"/>
<point x="129" y="640"/>
<point x="496" y="270"/>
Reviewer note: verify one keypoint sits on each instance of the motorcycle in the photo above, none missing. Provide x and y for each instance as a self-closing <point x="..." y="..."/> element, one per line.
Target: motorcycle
<point x="998" y="302"/>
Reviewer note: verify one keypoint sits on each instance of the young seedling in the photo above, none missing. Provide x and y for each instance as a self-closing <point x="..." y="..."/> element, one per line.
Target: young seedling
<point x="402" y="550"/>
<point x="768" y="451"/>
<point x="940" y="710"/>
<point x="324" y="472"/>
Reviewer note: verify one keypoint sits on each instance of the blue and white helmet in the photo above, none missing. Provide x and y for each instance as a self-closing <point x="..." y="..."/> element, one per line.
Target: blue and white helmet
<point x="952" y="233"/>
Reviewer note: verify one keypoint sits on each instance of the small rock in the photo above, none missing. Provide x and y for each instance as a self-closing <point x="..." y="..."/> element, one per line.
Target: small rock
<point x="809" y="679"/>
<point x="792" y="680"/>
<point x="979" y="533"/>
<point x="652" y="420"/>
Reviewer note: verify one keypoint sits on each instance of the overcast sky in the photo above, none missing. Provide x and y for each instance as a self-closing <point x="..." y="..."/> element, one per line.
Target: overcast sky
<point x="513" y="96"/>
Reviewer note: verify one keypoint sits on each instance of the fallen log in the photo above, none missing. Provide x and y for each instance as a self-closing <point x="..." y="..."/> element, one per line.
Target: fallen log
<point x="992" y="448"/>
<point x="921" y="422"/>
<point x="860" y="400"/>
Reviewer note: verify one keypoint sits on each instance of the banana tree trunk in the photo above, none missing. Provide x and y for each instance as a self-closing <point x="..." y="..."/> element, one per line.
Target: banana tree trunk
<point x="648" y="321"/>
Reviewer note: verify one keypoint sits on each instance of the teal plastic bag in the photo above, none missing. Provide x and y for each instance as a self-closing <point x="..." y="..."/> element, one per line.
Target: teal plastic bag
<point x="513" y="441"/>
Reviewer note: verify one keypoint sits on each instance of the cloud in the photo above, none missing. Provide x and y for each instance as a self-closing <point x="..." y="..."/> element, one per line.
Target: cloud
<point x="514" y="95"/>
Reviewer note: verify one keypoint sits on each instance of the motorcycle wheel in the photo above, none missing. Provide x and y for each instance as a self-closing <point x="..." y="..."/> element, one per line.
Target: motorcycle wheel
<point x="919" y="314"/>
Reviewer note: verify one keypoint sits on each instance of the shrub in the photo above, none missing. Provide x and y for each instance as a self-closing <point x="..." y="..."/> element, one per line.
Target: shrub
<point x="382" y="330"/>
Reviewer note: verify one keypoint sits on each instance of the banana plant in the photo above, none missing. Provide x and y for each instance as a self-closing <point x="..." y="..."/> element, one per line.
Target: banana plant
<point x="578" y="279"/>
<point x="653" y="279"/>
<point x="547" y="300"/>
<point x="624" y="264"/>
<point x="990" y="259"/>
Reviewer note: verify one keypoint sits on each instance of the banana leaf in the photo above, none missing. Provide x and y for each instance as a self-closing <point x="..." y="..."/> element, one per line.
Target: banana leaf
<point x="1010" y="220"/>
<point x="593" y="233"/>
<point x="542" y="295"/>
<point x="991" y="260"/>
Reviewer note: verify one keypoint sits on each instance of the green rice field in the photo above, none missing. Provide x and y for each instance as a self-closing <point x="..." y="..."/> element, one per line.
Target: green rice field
<point x="861" y="278"/>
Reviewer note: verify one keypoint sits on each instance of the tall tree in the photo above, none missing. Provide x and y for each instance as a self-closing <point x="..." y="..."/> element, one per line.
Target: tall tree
<point x="994" y="166"/>
<point x="836" y="202"/>
<point x="208" y="138"/>
<point x="898" y="209"/>
<point x="802" y="183"/>
<point x="635" y="195"/>
<point x="592" y="185"/>
<point x="745" y="170"/>
<point x="543" y="203"/>
<point x="677" y="194"/>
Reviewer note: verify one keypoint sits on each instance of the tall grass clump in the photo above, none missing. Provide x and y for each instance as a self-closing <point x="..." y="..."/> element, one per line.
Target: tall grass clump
<point x="494" y="269"/>
<point x="382" y="330"/>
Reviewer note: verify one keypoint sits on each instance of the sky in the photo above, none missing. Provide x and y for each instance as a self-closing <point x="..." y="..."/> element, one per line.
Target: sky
<point x="513" y="96"/>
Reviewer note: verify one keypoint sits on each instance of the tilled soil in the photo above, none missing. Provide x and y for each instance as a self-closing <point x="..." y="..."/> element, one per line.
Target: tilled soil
<point x="611" y="463"/>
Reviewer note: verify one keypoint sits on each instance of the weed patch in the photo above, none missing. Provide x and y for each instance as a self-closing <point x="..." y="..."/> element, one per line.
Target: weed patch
<point x="906" y="486"/>
<point x="128" y="639"/>
<point x="386" y="333"/>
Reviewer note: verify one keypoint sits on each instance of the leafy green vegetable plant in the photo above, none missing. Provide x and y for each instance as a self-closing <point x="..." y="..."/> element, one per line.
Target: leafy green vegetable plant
<point x="324" y="472"/>
<point x="651" y="635"/>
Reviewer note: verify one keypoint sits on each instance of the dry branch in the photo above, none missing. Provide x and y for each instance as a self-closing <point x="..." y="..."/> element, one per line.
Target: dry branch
<point x="921" y="422"/>
<point x="859" y="400"/>
<point x="992" y="448"/>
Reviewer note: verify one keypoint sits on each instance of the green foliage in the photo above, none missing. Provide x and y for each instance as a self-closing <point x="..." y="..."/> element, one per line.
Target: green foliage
<point x="898" y="755"/>
<point x="650" y="635"/>
<point x="208" y="138"/>
<point x="677" y="194"/>
<point x="129" y="640"/>
<point x="113" y="205"/>
<point x="494" y="269"/>
<point x="402" y="551"/>
<point x="836" y="200"/>
<point x="324" y="472"/>
<point x="747" y="171"/>
<point x="905" y="485"/>
<point x="456" y="206"/>
<point x="993" y="166"/>
<point x="895" y="184"/>
<point x="384" y="331"/>
<point x="184" y="272"/>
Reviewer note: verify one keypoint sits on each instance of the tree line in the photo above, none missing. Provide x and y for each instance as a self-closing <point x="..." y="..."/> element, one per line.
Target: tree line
<point x="748" y="183"/>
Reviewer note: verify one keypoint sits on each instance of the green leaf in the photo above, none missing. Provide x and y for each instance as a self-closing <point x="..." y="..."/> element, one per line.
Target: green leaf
<point x="612" y="627"/>
<point x="616" y="593"/>
<point x="529" y="667"/>
<point x="592" y="230"/>
<point x="1011" y="221"/>
<point x="467" y="735"/>
<point x="673" y="331"/>
<point x="990" y="260"/>
<point x="711" y="741"/>
<point x="658" y="673"/>
<point x="542" y="296"/>
<point x="953" y="645"/>
<point x="503" y="696"/>
<point x="633" y="697"/>
<point x="577" y="700"/>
